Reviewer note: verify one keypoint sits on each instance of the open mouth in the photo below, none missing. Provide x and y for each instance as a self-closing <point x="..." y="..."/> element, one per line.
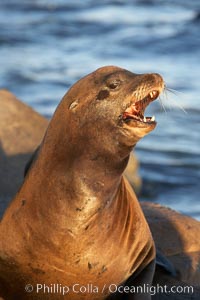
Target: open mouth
<point x="136" y="110"/>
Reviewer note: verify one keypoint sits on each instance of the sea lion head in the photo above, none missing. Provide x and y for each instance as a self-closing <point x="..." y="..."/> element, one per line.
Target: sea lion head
<point x="101" y="117"/>
<point x="104" y="112"/>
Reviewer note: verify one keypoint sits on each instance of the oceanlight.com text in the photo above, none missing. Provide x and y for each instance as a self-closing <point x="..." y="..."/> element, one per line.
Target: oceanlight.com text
<point x="90" y="288"/>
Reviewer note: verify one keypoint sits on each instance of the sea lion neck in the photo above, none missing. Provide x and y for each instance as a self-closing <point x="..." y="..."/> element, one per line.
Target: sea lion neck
<point x="78" y="163"/>
<point x="79" y="143"/>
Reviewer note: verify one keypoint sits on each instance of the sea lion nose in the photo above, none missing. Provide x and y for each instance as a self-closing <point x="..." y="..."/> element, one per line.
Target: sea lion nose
<point x="153" y="81"/>
<point x="157" y="79"/>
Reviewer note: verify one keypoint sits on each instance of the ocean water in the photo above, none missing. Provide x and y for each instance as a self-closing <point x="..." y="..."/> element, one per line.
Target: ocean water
<point x="46" y="45"/>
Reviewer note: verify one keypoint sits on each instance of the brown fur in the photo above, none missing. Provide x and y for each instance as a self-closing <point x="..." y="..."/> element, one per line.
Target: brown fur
<point x="75" y="218"/>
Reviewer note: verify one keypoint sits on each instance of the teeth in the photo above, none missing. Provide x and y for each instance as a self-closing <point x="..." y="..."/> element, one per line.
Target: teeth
<point x="153" y="94"/>
<point x="145" y="119"/>
<point x="153" y="119"/>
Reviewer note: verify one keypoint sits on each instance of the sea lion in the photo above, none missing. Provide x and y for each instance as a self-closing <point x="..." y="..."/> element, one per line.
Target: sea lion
<point x="75" y="220"/>
<point x="176" y="237"/>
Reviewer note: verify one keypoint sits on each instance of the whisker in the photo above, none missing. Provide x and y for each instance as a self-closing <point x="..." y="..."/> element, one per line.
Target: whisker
<point x="161" y="102"/>
<point x="166" y="98"/>
<point x="173" y="101"/>
<point x="173" y="91"/>
<point x="170" y="100"/>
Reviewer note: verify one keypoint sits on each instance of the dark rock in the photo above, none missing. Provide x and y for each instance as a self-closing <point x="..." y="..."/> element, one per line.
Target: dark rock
<point x="21" y="130"/>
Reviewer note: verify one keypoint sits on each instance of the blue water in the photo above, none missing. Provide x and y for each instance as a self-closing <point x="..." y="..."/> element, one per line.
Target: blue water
<point x="45" y="46"/>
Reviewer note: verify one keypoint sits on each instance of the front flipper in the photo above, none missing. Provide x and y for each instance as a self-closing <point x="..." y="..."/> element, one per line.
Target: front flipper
<point x="137" y="286"/>
<point x="163" y="262"/>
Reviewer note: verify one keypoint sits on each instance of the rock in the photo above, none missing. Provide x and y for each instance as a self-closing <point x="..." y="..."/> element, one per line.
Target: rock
<point x="21" y="131"/>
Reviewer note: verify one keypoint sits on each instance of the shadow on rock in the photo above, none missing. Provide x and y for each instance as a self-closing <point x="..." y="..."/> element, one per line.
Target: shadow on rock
<point x="11" y="174"/>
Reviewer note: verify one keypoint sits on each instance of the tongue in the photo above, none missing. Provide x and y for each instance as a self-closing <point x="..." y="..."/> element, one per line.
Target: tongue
<point x="137" y="115"/>
<point x="132" y="110"/>
<point x="135" y="112"/>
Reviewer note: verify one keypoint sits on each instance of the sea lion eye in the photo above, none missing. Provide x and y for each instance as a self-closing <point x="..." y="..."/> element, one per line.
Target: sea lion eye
<point x="114" y="84"/>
